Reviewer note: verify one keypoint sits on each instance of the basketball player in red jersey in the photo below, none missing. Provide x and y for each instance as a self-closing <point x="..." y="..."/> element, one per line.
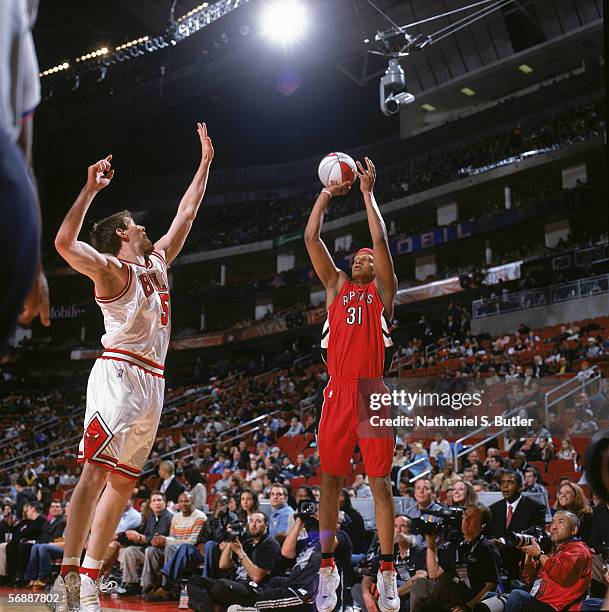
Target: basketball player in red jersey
<point x="126" y="385"/>
<point x="359" y="347"/>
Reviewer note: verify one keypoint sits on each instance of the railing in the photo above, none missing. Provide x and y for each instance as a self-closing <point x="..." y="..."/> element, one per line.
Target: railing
<point x="536" y="298"/>
<point x="457" y="455"/>
<point x="407" y="467"/>
<point x="432" y="349"/>
<point x="241" y="425"/>
<point x="576" y="384"/>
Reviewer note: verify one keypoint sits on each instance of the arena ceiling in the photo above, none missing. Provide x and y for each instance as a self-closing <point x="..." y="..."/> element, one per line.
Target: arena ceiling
<point x="265" y="103"/>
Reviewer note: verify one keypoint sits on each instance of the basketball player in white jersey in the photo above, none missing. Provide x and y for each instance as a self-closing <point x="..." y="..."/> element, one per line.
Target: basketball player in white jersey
<point x="126" y="385"/>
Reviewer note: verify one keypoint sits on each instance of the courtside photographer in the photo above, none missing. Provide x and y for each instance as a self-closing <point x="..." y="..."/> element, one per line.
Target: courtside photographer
<point x="302" y="550"/>
<point x="462" y="570"/>
<point x="558" y="580"/>
<point x="251" y="554"/>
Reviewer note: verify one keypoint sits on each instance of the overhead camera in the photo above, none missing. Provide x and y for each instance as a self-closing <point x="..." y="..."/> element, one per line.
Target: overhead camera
<point x="393" y="82"/>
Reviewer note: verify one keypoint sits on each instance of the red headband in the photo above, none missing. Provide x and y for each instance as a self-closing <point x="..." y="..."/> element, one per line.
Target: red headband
<point x="366" y="250"/>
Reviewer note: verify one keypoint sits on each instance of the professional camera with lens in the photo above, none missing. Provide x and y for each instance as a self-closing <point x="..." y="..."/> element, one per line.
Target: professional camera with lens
<point x="237" y="532"/>
<point x="525" y="538"/>
<point x="449" y="523"/>
<point x="307" y="507"/>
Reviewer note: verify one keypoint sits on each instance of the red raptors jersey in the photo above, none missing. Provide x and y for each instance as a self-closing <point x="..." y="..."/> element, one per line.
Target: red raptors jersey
<point x="356" y="342"/>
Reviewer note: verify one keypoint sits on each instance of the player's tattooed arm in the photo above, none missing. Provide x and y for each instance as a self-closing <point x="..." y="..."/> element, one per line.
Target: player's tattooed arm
<point x="386" y="280"/>
<point x="172" y="242"/>
<point x="330" y="276"/>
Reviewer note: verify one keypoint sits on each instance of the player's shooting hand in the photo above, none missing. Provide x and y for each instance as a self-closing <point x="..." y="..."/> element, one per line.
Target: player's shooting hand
<point x="338" y="189"/>
<point x="367" y="175"/>
<point x="100" y="174"/>
<point x="37" y="301"/>
<point x="207" y="149"/>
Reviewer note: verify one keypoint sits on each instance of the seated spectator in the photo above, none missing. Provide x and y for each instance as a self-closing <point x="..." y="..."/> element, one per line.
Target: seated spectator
<point x="296" y="428"/>
<point x="494" y="468"/>
<point x="460" y="573"/>
<point x="420" y="456"/>
<point x="185" y="528"/>
<point x="223" y="484"/>
<point x="446" y="478"/>
<point x="531" y="482"/>
<point x="170" y="486"/>
<point x="250" y="562"/>
<point x="514" y="513"/>
<point x="361" y="487"/>
<point x="301" y="469"/>
<point x="25" y="534"/>
<point x="248" y="504"/>
<point x="196" y="487"/>
<point x="213" y="535"/>
<point x="281" y="516"/>
<point x="571" y="497"/>
<point x="424" y="497"/>
<point x="464" y="494"/>
<point x="439" y="446"/>
<point x="410" y="564"/>
<point x="567" y="452"/>
<point x="561" y="578"/>
<point x="356" y="529"/>
<point x="137" y="574"/>
<point x="48" y="547"/>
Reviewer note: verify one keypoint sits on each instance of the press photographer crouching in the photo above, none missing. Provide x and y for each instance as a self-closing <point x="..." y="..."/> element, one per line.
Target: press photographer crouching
<point x="251" y="554"/>
<point x="463" y="570"/>
<point x="559" y="579"/>
<point x="302" y="550"/>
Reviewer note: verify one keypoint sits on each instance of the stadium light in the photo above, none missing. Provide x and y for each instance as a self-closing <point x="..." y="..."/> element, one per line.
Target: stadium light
<point x="284" y="21"/>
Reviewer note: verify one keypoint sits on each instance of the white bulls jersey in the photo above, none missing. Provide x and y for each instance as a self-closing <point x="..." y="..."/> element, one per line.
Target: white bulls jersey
<point x="138" y="319"/>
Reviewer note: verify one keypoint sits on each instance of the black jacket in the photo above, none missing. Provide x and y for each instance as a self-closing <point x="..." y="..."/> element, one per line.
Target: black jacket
<point x="156" y="525"/>
<point x="52" y="530"/>
<point x="174" y="490"/>
<point x="528" y="513"/>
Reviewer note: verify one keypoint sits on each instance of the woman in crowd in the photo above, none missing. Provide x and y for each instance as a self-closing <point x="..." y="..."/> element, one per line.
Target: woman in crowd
<point x="248" y="504"/>
<point x="198" y="492"/>
<point x="567" y="452"/>
<point x="464" y="494"/>
<point x="571" y="497"/>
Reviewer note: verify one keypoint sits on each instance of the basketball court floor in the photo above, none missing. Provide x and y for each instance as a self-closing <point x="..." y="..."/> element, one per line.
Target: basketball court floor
<point x="109" y="603"/>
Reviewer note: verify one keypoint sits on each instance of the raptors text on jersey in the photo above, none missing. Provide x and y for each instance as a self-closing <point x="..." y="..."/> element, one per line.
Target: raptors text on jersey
<point x="356" y="341"/>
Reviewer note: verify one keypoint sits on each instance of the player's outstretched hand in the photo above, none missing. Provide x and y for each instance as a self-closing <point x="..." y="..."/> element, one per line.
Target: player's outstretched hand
<point x="367" y="175"/>
<point x="100" y="174"/>
<point x="207" y="149"/>
<point x="37" y="301"/>
<point x="338" y="189"/>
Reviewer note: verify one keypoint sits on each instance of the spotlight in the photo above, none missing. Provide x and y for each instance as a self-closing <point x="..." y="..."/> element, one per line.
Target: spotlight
<point x="284" y="21"/>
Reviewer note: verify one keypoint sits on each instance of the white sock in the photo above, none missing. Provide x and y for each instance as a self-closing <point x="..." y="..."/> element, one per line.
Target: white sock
<point x="71" y="561"/>
<point x="91" y="563"/>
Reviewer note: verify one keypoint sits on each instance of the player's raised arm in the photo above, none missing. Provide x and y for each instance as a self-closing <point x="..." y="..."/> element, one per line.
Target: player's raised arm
<point x="323" y="264"/>
<point x="387" y="283"/>
<point x="80" y="255"/>
<point x="172" y="242"/>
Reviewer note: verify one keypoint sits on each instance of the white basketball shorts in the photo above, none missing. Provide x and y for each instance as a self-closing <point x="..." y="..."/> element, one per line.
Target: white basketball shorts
<point x="124" y="403"/>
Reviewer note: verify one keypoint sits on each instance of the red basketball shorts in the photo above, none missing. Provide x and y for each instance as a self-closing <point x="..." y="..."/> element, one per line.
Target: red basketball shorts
<point x="344" y="420"/>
